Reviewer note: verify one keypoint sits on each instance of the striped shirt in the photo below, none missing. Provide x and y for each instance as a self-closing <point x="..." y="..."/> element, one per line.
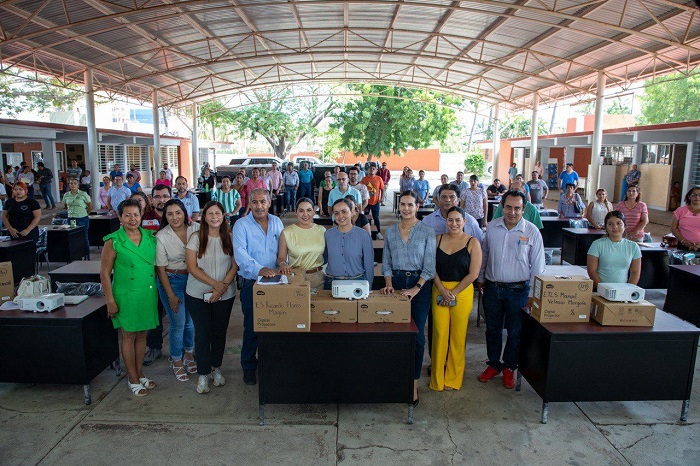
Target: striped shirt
<point x="632" y="217"/>
<point x="228" y="200"/>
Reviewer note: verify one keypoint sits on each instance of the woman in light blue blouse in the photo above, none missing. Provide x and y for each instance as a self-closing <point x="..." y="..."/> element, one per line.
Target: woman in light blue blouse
<point x="408" y="266"/>
<point x="614" y="259"/>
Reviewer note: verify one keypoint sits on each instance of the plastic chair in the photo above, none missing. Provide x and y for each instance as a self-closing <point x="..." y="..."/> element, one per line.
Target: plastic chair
<point x="41" y="250"/>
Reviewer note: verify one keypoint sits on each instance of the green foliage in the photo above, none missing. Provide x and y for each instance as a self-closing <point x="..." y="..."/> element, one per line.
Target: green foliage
<point x="387" y="119"/>
<point x="475" y="162"/>
<point x="515" y="126"/>
<point x="672" y="98"/>
<point x="42" y="95"/>
<point x="617" y="107"/>
<point x="331" y="147"/>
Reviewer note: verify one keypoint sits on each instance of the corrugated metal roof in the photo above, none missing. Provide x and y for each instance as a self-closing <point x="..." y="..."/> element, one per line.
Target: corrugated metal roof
<point x="499" y="51"/>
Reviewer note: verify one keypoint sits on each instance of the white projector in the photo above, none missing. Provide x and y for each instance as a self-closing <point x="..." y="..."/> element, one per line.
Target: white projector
<point x="350" y="289"/>
<point x="622" y="292"/>
<point x="43" y="303"/>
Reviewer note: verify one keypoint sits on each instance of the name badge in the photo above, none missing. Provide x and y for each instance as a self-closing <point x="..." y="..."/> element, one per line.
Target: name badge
<point x="524" y="239"/>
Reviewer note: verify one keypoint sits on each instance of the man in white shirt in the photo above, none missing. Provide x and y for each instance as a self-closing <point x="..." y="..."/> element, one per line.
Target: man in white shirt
<point x="168" y="171"/>
<point x="354" y="177"/>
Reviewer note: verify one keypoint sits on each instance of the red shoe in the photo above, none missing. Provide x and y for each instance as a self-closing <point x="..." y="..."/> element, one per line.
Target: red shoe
<point x="508" y="378"/>
<point x="488" y="374"/>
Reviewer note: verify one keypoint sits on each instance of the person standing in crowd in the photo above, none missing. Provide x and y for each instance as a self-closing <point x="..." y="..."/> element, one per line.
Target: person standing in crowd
<point x="45" y="178"/>
<point x="349" y="253"/>
<point x="408" y="265"/>
<point x="375" y="186"/>
<point x="255" y="243"/>
<point x="207" y="183"/>
<point x="520" y="181"/>
<point x="360" y="172"/>
<point x="531" y="213"/>
<point x="171" y="268"/>
<point x="457" y="265"/>
<point x="475" y="202"/>
<point x="275" y="177"/>
<point x="448" y="197"/>
<point x="539" y="168"/>
<point x="27" y="177"/>
<point x="290" y="178"/>
<point x="79" y="205"/>
<point x="336" y="171"/>
<point x="255" y="182"/>
<point x="422" y="188"/>
<point x="538" y="189"/>
<point x="117" y="194"/>
<point x="3" y="192"/>
<point x="406" y="180"/>
<point x="306" y="178"/>
<point x="116" y="172"/>
<point x="512" y="172"/>
<point x="21" y="214"/>
<point x="436" y="192"/>
<point x="496" y="189"/>
<point x="324" y="188"/>
<point x="133" y="186"/>
<point x="103" y="193"/>
<point x="74" y="172"/>
<point x="145" y="204"/>
<point x="243" y="173"/>
<point x="160" y="194"/>
<point x="128" y="256"/>
<point x="614" y="259"/>
<point x="163" y="179"/>
<point x="86" y="182"/>
<point x="358" y="218"/>
<point x="343" y="189"/>
<point x="598" y="209"/>
<point x="354" y="182"/>
<point x="239" y="186"/>
<point x="570" y="203"/>
<point x="568" y="176"/>
<point x="685" y="225"/>
<point x="302" y="244"/>
<point x="513" y="254"/>
<point x="168" y="171"/>
<point x="460" y="182"/>
<point x="188" y="198"/>
<point x="635" y="212"/>
<point x="209" y="295"/>
<point x="229" y="198"/>
<point x="133" y="171"/>
<point x="632" y="177"/>
<point x="385" y="175"/>
<point x="9" y="179"/>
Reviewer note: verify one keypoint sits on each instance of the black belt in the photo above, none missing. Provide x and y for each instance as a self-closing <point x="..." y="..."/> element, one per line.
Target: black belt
<point x="408" y="273"/>
<point x="511" y="285"/>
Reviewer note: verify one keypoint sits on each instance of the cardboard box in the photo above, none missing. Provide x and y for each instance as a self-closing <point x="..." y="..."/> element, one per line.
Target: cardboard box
<point x="326" y="308"/>
<point x="641" y="314"/>
<point x="282" y="308"/>
<point x="7" y="282"/>
<point x="384" y="308"/>
<point x="562" y="298"/>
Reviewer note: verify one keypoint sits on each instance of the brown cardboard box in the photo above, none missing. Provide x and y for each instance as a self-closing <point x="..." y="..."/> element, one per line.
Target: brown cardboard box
<point x="384" y="308"/>
<point x="7" y="283"/>
<point x="326" y="308"/>
<point x="282" y="308"/>
<point x="641" y="314"/>
<point x="562" y="299"/>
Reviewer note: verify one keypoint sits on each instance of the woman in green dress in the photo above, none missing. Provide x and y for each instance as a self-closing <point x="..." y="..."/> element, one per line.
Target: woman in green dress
<point x="132" y="296"/>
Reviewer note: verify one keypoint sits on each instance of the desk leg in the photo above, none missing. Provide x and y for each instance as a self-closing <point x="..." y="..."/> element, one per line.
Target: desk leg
<point x="518" y="382"/>
<point x="261" y="413"/>
<point x="87" y="397"/>
<point x="410" y="413"/>
<point x="545" y="412"/>
<point x="684" y="410"/>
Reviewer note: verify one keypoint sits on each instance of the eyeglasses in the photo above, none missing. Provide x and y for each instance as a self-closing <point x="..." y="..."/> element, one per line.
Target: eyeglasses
<point x="695" y="195"/>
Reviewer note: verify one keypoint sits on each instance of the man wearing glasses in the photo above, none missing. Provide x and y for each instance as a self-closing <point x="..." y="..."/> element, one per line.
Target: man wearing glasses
<point x="448" y="196"/>
<point x="159" y="196"/>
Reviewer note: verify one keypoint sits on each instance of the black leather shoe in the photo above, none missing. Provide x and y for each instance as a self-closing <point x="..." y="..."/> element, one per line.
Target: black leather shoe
<point x="249" y="377"/>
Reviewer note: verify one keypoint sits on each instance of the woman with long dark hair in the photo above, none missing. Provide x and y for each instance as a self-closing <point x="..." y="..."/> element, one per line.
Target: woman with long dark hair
<point x="635" y="213"/>
<point x="614" y="259"/>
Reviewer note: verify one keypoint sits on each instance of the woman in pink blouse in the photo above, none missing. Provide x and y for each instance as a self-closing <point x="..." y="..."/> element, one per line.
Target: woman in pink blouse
<point x="686" y="221"/>
<point x="635" y="212"/>
<point x="102" y="193"/>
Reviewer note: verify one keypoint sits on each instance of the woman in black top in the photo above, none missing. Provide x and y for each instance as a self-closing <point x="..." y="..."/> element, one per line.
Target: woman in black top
<point x="21" y="214"/>
<point x="457" y="264"/>
<point x="358" y="218"/>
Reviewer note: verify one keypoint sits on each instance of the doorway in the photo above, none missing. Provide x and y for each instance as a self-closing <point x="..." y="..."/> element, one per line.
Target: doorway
<point x="677" y="170"/>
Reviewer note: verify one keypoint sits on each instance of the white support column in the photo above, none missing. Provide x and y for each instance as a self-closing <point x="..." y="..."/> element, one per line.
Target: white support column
<point x="48" y="148"/>
<point x="597" y="141"/>
<point x="533" y="138"/>
<point x="195" y="145"/>
<point x="496" y="141"/>
<point x="91" y="156"/>
<point x="154" y="172"/>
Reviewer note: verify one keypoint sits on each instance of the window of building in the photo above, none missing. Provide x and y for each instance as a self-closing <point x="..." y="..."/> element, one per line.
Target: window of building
<point x="695" y="166"/>
<point x="616" y="155"/>
<point x="169" y="154"/>
<point x="108" y="155"/>
<point x="657" y="153"/>
<point x="137" y="155"/>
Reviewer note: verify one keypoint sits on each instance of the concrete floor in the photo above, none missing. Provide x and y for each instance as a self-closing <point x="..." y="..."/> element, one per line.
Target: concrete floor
<point x="480" y="424"/>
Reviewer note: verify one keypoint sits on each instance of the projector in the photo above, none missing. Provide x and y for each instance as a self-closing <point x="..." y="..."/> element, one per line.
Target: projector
<point x="43" y="303"/>
<point x="622" y="292"/>
<point x="350" y="289"/>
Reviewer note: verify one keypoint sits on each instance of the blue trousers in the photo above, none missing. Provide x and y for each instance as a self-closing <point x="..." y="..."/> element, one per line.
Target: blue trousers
<point x="503" y="309"/>
<point x="290" y="198"/>
<point x="46" y="194"/>
<point x="420" y="308"/>
<point x="375" y="215"/>
<point x="181" y="333"/>
<point x="249" y="359"/>
<point x="306" y="190"/>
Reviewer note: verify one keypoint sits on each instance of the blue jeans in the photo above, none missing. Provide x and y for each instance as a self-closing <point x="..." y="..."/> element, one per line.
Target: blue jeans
<point x="46" y="194"/>
<point x="250" y="341"/>
<point x="375" y="215"/>
<point x="85" y="223"/>
<point x="290" y="197"/>
<point x="503" y="309"/>
<point x="181" y="334"/>
<point x="420" y="308"/>
<point x="306" y="190"/>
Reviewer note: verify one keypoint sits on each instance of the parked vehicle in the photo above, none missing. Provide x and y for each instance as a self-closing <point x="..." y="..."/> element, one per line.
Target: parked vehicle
<point x="318" y="166"/>
<point x="248" y="163"/>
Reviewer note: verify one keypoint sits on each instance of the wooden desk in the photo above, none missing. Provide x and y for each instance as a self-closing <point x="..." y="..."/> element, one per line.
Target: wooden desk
<point x="492" y="203"/>
<point x="65" y="244"/>
<point x="682" y="295"/>
<point x="321" y="220"/>
<point x="76" y="272"/>
<point x="22" y="254"/>
<point x="575" y="244"/>
<point x="378" y="245"/>
<point x="338" y="363"/>
<point x="552" y="233"/>
<point x="70" y="345"/>
<point x="101" y="226"/>
<point x="591" y="362"/>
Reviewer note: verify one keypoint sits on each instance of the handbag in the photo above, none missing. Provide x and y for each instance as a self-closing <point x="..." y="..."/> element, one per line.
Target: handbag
<point x="33" y="287"/>
<point x="578" y="208"/>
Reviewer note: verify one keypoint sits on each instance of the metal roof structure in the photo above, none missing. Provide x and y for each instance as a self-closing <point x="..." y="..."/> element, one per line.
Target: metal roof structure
<point x="493" y="51"/>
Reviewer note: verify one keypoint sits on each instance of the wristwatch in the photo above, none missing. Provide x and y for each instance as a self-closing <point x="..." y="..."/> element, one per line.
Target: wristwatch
<point x="419" y="286"/>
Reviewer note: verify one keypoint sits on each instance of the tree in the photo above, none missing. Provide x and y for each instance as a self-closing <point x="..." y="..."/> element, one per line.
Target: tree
<point x="515" y="126"/>
<point x="274" y="114"/>
<point x="40" y="93"/>
<point x="672" y="98"/>
<point x="475" y="162"/>
<point x="387" y="119"/>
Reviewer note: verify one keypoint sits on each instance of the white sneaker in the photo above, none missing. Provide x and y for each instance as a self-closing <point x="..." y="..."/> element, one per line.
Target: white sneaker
<point x="219" y="380"/>
<point x="203" y="384"/>
<point x="379" y="236"/>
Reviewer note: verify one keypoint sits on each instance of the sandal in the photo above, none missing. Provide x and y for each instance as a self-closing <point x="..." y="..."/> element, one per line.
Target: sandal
<point x="147" y="383"/>
<point x="180" y="372"/>
<point x="137" y="388"/>
<point x="191" y="365"/>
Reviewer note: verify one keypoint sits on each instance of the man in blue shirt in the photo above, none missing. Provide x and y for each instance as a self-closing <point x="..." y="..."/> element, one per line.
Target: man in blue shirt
<point x="306" y="178"/>
<point x="255" y="243"/>
<point x="568" y="176"/>
<point x="116" y="172"/>
<point x="189" y="199"/>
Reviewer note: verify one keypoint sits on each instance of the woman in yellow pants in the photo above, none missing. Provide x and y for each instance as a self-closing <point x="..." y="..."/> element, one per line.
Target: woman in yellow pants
<point x="458" y="259"/>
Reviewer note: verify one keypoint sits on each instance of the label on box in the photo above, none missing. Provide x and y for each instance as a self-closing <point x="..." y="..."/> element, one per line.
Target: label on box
<point x="7" y="283"/>
<point x="641" y="314"/>
<point x="326" y="308"/>
<point x="378" y="307"/>
<point x="282" y="308"/>
<point x="562" y="298"/>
